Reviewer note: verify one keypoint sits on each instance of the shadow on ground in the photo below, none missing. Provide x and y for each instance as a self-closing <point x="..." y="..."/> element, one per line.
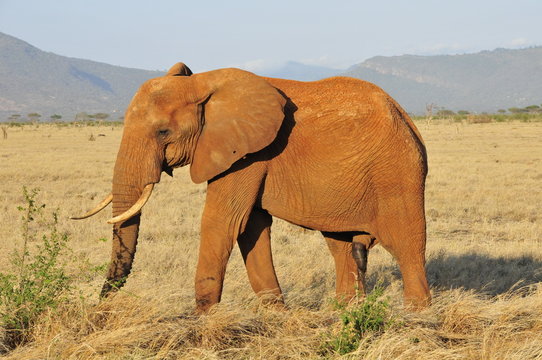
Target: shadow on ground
<point x="479" y="272"/>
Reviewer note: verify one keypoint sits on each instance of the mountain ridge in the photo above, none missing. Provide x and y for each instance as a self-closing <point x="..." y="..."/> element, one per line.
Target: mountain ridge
<point x="35" y="80"/>
<point x="483" y="81"/>
<point x="32" y="80"/>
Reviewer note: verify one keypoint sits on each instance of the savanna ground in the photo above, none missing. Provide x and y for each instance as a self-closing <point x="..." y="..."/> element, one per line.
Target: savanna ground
<point x="484" y="259"/>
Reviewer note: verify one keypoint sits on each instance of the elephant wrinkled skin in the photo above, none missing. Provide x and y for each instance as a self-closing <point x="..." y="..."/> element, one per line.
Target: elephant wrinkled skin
<point x="337" y="155"/>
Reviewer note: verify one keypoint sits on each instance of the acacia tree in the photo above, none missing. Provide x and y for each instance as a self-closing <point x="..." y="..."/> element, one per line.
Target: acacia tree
<point x="14" y="118"/>
<point x="445" y="113"/>
<point x="533" y="108"/>
<point x="100" y="116"/>
<point x="82" y="116"/>
<point x="515" y="110"/>
<point x="34" y="117"/>
<point x="56" y="117"/>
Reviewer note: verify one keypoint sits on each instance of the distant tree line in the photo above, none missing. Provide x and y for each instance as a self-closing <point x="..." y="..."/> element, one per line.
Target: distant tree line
<point x="531" y="109"/>
<point x="83" y="117"/>
<point x="32" y="117"/>
<point x="526" y="114"/>
<point x="432" y="111"/>
<point x="443" y="112"/>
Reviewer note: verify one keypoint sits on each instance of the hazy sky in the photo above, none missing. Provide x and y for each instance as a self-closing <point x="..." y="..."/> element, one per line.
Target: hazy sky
<point x="253" y="34"/>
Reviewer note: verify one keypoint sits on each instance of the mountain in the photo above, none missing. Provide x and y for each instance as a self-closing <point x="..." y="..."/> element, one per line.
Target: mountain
<point x="32" y="80"/>
<point x="485" y="81"/>
<point x="302" y="72"/>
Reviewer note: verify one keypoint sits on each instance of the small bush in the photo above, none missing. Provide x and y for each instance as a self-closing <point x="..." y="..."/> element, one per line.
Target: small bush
<point x="371" y="315"/>
<point x="38" y="281"/>
<point x="479" y="119"/>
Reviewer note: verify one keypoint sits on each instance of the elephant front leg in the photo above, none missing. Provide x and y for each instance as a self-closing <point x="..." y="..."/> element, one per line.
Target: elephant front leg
<point x="214" y="252"/>
<point x="255" y="246"/>
<point x="228" y="206"/>
<point x="122" y="255"/>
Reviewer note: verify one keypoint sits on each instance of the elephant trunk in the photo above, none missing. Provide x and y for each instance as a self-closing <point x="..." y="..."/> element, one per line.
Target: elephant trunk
<point x="136" y="207"/>
<point x="137" y="168"/>
<point x="122" y="256"/>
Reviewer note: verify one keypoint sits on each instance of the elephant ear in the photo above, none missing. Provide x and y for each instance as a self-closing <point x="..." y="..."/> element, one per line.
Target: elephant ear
<point x="242" y="113"/>
<point x="179" y="69"/>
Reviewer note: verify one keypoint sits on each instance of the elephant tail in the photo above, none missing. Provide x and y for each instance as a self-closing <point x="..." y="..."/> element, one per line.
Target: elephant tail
<point x="401" y="117"/>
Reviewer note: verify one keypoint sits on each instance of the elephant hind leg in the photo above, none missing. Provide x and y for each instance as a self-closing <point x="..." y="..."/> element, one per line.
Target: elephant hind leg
<point x="361" y="243"/>
<point x="348" y="280"/>
<point x="402" y="232"/>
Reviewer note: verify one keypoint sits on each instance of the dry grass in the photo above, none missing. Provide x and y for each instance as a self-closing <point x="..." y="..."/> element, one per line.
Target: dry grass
<point x="484" y="259"/>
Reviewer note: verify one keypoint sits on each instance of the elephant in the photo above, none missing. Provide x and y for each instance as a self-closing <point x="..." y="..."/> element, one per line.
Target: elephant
<point x="338" y="155"/>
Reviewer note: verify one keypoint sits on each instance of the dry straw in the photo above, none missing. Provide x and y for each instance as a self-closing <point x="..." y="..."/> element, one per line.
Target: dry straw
<point x="484" y="259"/>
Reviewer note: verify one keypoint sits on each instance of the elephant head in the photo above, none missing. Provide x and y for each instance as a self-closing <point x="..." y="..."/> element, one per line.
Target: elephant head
<point x="208" y="120"/>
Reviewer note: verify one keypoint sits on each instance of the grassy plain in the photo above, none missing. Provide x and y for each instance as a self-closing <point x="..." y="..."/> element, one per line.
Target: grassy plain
<point x="484" y="258"/>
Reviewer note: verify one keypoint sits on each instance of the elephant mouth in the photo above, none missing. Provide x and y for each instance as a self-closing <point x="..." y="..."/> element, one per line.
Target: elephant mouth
<point x="169" y="165"/>
<point x="168" y="170"/>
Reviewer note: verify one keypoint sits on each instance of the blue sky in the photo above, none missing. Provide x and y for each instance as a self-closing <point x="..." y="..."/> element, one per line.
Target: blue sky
<point x="256" y="35"/>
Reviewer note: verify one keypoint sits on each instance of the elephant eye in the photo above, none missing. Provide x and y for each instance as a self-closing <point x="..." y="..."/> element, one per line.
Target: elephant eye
<point x="163" y="132"/>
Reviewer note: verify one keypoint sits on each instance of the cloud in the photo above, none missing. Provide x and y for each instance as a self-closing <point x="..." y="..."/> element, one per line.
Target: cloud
<point x="325" y="61"/>
<point x="263" y="66"/>
<point x="259" y="65"/>
<point x="519" y="42"/>
<point x="440" y="48"/>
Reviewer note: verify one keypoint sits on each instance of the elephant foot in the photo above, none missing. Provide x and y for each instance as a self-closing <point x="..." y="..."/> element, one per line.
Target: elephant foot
<point x="111" y="286"/>
<point x="268" y="300"/>
<point x="416" y="290"/>
<point x="272" y="301"/>
<point x="204" y="303"/>
<point x="417" y="304"/>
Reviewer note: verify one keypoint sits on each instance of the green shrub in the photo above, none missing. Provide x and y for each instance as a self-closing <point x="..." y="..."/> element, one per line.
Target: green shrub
<point x="38" y="281"/>
<point x="371" y="315"/>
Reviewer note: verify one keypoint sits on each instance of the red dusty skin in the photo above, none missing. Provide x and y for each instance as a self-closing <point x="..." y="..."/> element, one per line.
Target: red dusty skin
<point x="337" y="155"/>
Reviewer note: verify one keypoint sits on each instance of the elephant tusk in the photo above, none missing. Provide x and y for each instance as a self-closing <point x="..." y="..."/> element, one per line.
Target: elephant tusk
<point x="145" y="195"/>
<point x="96" y="210"/>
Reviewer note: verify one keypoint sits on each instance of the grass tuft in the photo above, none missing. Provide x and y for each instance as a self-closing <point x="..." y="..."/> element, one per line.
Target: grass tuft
<point x="370" y="315"/>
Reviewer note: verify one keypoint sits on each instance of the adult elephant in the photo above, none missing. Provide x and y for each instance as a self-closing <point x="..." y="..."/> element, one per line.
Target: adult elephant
<point x="337" y="155"/>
